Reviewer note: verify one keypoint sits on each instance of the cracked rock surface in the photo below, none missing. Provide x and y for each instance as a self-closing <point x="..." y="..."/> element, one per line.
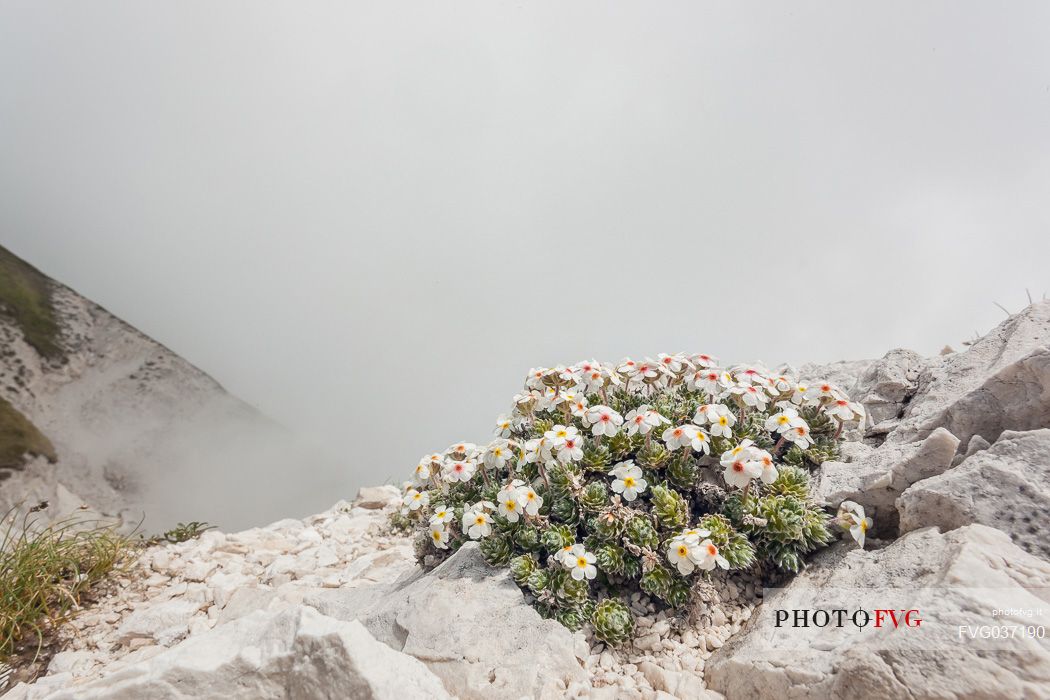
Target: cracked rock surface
<point x="1006" y="486"/>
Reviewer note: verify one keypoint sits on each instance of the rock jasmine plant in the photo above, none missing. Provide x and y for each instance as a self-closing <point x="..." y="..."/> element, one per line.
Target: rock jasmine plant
<point x="609" y="479"/>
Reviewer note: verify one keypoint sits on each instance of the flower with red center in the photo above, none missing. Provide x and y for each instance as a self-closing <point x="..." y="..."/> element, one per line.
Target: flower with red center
<point x="460" y="471"/>
<point x="824" y="391"/>
<point x="844" y="410"/>
<point x="679" y="436"/>
<point x="703" y="360"/>
<point x="769" y="469"/>
<point x="571" y="450"/>
<point x="708" y="557"/>
<point x="752" y="395"/>
<point x="800" y="435"/>
<point x="742" y="470"/>
<point x="603" y="420"/>
<point x="672" y="364"/>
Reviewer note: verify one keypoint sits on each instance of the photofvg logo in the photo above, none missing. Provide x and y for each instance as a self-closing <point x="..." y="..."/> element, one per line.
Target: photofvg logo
<point x="935" y="619"/>
<point x="840" y="617"/>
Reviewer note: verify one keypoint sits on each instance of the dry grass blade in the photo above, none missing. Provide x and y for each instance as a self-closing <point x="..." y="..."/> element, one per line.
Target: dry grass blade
<point x="45" y="569"/>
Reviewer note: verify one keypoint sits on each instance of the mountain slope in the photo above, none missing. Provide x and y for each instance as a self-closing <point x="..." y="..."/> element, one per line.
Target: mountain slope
<point x="136" y="430"/>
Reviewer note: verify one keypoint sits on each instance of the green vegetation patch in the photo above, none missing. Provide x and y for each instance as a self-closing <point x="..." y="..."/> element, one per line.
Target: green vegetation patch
<point x="25" y="298"/>
<point x="46" y="572"/>
<point x="19" y="438"/>
<point x="180" y="533"/>
<point x="609" y="481"/>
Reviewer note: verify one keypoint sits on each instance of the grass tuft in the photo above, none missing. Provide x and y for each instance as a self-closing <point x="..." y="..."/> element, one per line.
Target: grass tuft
<point x="25" y="298"/>
<point x="182" y="532"/>
<point x="19" y="438"/>
<point x="45" y="573"/>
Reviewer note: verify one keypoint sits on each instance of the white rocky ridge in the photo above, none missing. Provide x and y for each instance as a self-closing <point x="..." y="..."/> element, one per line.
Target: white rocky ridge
<point x="344" y="567"/>
<point x="953" y="464"/>
<point x="137" y="429"/>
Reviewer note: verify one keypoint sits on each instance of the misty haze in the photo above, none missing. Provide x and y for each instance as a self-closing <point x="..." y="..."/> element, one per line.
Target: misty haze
<point x="369" y="221"/>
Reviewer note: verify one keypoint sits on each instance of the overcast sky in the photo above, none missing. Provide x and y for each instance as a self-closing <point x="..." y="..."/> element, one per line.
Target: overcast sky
<point x="371" y="218"/>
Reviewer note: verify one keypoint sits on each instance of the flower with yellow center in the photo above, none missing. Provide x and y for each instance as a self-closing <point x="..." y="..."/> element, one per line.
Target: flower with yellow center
<point x="851" y="515"/>
<point x="439" y="536"/>
<point x="700" y="442"/>
<point x="580" y="563"/>
<point x="510" y="504"/>
<point x="557" y="435"/>
<point x="530" y="500"/>
<point x="730" y="456"/>
<point x="414" y="500"/>
<point x="679" y="553"/>
<point x="783" y="421"/>
<point x="477" y="524"/>
<point x="498" y="453"/>
<point x="504" y="426"/>
<point x="629" y="481"/>
<point x="442" y="514"/>
<point x="564" y="556"/>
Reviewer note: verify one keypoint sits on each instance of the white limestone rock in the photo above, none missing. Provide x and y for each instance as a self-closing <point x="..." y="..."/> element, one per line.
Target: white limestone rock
<point x="1006" y="486"/>
<point x="69" y="661"/>
<point x="470" y="624"/>
<point x="381" y="566"/>
<point x="297" y="653"/>
<point x="246" y="600"/>
<point x="876" y="479"/>
<point x="886" y="385"/>
<point x="164" y="622"/>
<point x="976" y="444"/>
<point x="376" y="497"/>
<point x="844" y="373"/>
<point x="1016" y="397"/>
<point x="955" y="580"/>
<point x="1001" y="382"/>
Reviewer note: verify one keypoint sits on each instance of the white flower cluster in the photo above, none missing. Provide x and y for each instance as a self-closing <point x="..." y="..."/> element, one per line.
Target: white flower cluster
<point x="568" y="391"/>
